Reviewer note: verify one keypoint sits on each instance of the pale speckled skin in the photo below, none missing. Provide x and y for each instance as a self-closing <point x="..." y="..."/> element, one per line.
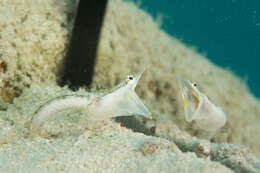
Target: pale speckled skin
<point x="56" y="105"/>
<point x="209" y="117"/>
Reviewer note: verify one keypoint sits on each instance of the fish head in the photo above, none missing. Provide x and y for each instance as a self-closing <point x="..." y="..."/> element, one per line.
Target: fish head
<point x="192" y="98"/>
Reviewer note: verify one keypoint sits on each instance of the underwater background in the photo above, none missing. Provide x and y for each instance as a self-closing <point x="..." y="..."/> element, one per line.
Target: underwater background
<point x="228" y="32"/>
<point x="34" y="39"/>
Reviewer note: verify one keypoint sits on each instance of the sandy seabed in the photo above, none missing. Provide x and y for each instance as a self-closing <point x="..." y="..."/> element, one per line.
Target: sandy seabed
<point x="33" y="40"/>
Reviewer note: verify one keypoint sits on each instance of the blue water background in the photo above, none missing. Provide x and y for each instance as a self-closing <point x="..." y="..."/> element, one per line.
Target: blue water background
<point x="228" y="31"/>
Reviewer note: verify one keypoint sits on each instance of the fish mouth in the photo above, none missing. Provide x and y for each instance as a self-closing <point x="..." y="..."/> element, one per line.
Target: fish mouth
<point x="139" y="107"/>
<point x="190" y="92"/>
<point x="122" y="102"/>
<point x="135" y="102"/>
<point x="191" y="99"/>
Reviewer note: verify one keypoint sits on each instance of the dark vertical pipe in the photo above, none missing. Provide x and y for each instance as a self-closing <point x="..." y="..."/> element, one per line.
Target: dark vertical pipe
<point x="80" y="59"/>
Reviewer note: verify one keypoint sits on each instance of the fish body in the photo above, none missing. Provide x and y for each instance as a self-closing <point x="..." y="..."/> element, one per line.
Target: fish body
<point x="198" y="108"/>
<point x="123" y="101"/>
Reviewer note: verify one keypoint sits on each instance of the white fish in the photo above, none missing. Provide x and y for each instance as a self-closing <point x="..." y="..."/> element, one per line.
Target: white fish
<point x="121" y="102"/>
<point x="199" y="108"/>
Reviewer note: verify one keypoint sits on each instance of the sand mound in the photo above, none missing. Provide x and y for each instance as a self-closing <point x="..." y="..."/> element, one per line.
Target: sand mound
<point x="33" y="41"/>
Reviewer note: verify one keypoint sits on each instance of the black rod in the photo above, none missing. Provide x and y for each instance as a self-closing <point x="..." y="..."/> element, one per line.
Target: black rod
<point x="80" y="58"/>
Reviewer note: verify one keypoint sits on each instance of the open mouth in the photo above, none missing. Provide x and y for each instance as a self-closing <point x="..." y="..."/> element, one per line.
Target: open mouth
<point x="191" y="98"/>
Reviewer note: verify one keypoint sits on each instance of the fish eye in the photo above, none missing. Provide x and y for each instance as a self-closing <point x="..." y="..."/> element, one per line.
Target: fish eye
<point x="130" y="77"/>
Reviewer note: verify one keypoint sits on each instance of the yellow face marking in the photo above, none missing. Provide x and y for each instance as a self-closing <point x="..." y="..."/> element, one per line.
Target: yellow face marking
<point x="185" y="103"/>
<point x="199" y="98"/>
